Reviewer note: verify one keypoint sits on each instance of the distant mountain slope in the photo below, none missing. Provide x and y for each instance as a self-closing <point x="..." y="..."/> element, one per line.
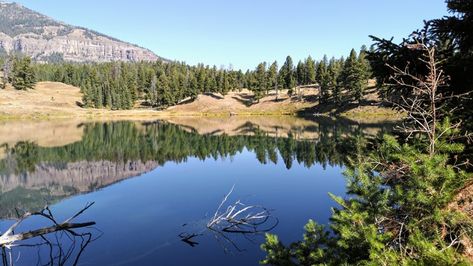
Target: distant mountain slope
<point x="45" y="39"/>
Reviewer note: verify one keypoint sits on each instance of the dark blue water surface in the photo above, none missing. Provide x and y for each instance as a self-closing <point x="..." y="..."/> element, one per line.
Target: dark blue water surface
<point x="152" y="182"/>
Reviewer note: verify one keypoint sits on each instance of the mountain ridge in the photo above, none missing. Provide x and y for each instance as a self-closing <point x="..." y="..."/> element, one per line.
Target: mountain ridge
<point x="45" y="39"/>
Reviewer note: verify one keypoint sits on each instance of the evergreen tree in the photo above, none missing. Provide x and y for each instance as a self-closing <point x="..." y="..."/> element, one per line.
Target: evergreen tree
<point x="273" y="78"/>
<point x="22" y="76"/>
<point x="87" y="96"/>
<point x="398" y="211"/>
<point x="323" y="79"/>
<point x="193" y="86"/>
<point x="310" y="70"/>
<point x="261" y="81"/>
<point x="364" y="62"/>
<point x="301" y="73"/>
<point x="334" y="70"/>
<point x="354" y="77"/>
<point x="288" y="74"/>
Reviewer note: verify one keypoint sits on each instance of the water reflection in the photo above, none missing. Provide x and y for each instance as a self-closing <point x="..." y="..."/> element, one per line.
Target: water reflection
<point x="199" y="151"/>
<point x="32" y="175"/>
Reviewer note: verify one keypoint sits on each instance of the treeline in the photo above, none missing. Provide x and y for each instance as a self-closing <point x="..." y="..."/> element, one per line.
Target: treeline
<point x="126" y="141"/>
<point x="160" y="84"/>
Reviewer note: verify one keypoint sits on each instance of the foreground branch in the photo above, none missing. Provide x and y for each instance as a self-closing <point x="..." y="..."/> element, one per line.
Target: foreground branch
<point x="10" y="239"/>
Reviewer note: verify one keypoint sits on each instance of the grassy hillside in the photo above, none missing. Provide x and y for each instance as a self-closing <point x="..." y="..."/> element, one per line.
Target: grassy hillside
<point x="57" y="100"/>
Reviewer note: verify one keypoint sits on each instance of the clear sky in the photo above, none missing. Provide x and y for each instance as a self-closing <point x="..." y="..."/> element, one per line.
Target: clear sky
<point x="245" y="32"/>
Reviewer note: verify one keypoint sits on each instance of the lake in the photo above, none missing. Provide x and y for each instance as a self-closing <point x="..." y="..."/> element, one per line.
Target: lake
<point x="157" y="184"/>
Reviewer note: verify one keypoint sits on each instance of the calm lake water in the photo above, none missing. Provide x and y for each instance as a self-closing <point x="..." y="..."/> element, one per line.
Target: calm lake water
<point x="154" y="183"/>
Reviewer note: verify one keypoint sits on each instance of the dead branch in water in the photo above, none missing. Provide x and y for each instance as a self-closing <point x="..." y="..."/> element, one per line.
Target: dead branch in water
<point x="240" y="218"/>
<point x="9" y="239"/>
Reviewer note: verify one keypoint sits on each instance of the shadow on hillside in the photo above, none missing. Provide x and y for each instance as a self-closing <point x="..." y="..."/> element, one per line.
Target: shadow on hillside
<point x="213" y="95"/>
<point x="186" y="101"/>
<point x="247" y="100"/>
<point x="336" y="109"/>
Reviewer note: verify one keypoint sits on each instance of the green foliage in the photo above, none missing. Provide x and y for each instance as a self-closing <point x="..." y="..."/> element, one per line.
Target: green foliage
<point x="323" y="79"/>
<point x="120" y="85"/>
<point x="334" y="70"/>
<point x="261" y="80"/>
<point x="398" y="207"/>
<point x="310" y="71"/>
<point x="22" y="76"/>
<point x="164" y="142"/>
<point x="396" y="213"/>
<point x="355" y="75"/>
<point x="452" y="38"/>
<point x="288" y="75"/>
<point x="273" y="76"/>
<point x="301" y="73"/>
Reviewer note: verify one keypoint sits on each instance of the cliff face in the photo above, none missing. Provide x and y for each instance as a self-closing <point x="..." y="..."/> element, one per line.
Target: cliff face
<point x="46" y="40"/>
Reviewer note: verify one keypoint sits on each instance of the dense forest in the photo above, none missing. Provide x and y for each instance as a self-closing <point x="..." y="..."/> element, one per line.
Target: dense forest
<point x="161" y="84"/>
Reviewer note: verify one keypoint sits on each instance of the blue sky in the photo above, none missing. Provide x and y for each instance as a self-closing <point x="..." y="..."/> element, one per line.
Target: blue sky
<point x="245" y="32"/>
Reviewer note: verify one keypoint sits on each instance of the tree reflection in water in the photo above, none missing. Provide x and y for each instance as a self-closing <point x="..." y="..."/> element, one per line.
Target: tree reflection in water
<point x="32" y="176"/>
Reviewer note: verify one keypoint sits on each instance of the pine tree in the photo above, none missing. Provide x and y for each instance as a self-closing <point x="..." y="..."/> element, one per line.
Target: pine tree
<point x="22" y="76"/>
<point x="310" y="70"/>
<point x="288" y="74"/>
<point x="226" y="83"/>
<point x="273" y="78"/>
<point x="354" y="77"/>
<point x="398" y="211"/>
<point x="323" y="79"/>
<point x="301" y="73"/>
<point x="334" y="70"/>
<point x="165" y="97"/>
<point x="364" y="62"/>
<point x="87" y="97"/>
<point x="193" y="86"/>
<point x="301" y="78"/>
<point x="261" y="81"/>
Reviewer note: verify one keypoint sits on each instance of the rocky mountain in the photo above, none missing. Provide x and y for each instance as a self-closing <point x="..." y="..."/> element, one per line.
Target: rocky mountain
<point x="46" y="40"/>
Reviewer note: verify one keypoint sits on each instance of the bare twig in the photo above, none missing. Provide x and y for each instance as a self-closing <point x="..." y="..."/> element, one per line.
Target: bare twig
<point x="9" y="239"/>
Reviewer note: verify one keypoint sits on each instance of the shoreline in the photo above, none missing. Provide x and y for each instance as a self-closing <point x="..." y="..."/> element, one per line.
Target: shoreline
<point x="382" y="115"/>
<point x="58" y="101"/>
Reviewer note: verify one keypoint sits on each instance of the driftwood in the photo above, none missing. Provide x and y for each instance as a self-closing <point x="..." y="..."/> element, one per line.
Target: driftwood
<point x="232" y="220"/>
<point x="10" y="239"/>
<point x="240" y="218"/>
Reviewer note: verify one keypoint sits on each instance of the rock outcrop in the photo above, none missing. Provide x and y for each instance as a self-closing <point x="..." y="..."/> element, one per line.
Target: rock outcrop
<point x="46" y="40"/>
